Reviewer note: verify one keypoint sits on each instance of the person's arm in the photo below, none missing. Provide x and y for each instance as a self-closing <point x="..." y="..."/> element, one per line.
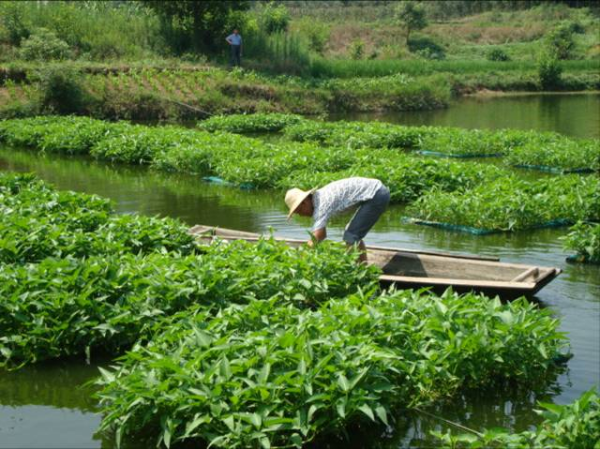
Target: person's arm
<point x="227" y="40"/>
<point x="320" y="235"/>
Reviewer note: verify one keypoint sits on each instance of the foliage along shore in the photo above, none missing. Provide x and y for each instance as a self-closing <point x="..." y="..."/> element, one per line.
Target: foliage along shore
<point x="167" y="93"/>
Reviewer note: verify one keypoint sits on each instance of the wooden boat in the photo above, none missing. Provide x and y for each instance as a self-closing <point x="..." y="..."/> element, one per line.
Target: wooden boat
<point x="414" y="269"/>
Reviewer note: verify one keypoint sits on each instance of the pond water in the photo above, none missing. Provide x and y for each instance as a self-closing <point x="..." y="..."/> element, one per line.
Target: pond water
<point x="576" y="115"/>
<point x="50" y="405"/>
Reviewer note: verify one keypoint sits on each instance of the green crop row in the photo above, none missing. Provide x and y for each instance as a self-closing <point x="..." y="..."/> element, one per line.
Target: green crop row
<point x="267" y="375"/>
<point x="575" y="425"/>
<point x="584" y="239"/>
<point x="73" y="277"/>
<point x="250" y="123"/>
<point x="242" y="160"/>
<point x="512" y="204"/>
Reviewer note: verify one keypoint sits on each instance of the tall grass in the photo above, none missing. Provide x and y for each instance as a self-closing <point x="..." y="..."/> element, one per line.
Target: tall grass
<point x="377" y="68"/>
<point x="102" y="30"/>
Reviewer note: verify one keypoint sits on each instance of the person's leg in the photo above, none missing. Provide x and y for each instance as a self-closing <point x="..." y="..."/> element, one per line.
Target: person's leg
<point x="232" y="56"/>
<point x="364" y="219"/>
<point x="237" y="50"/>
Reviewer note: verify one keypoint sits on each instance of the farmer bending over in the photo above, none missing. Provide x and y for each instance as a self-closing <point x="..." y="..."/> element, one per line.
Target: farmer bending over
<point x="370" y="195"/>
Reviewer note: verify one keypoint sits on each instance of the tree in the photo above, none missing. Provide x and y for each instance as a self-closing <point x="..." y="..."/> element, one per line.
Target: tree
<point x="203" y="22"/>
<point x="411" y="16"/>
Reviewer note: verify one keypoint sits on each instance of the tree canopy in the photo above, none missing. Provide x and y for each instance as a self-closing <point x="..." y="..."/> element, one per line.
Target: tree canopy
<point x="197" y="25"/>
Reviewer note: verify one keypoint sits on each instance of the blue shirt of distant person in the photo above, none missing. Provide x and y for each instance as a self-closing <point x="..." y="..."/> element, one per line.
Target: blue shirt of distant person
<point x="235" y="42"/>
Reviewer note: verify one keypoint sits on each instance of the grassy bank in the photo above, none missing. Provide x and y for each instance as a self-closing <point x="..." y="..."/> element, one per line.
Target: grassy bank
<point x="136" y="91"/>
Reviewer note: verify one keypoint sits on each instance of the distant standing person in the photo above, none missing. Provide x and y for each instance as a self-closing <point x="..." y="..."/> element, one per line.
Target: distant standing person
<point x="235" y="42"/>
<point x="370" y="195"/>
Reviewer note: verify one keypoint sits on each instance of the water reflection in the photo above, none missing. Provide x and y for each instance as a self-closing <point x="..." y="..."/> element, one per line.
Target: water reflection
<point x="574" y="115"/>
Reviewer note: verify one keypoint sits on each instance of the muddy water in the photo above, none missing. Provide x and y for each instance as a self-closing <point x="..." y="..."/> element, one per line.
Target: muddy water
<point x="48" y="405"/>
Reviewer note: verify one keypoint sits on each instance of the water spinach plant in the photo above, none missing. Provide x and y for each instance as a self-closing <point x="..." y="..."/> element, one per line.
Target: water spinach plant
<point x="575" y="425"/>
<point x="272" y="375"/>
<point x="584" y="239"/>
<point x="245" y="161"/>
<point x="513" y="204"/>
<point x="250" y="123"/>
<point x="561" y="155"/>
<point x="75" y="278"/>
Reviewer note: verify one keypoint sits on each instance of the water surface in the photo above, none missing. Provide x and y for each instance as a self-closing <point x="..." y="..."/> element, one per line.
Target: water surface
<point x="576" y="115"/>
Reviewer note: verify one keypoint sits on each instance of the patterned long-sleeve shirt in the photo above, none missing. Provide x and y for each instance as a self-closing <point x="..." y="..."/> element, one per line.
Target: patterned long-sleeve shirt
<point x="341" y="195"/>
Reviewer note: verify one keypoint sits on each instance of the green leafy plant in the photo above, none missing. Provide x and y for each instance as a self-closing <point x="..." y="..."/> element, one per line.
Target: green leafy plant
<point x="75" y="278"/>
<point x="584" y="238"/>
<point x="560" y="154"/>
<point x="497" y="54"/>
<point x="512" y="204"/>
<point x="250" y="123"/>
<point x="267" y="375"/>
<point x="575" y="425"/>
<point x="44" y="45"/>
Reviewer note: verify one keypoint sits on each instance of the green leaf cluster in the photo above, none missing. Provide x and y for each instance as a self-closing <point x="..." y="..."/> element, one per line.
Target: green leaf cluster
<point x="75" y="278"/>
<point x="513" y="204"/>
<point x="575" y="425"/>
<point x="250" y="123"/>
<point x="246" y="161"/>
<point x="272" y="375"/>
<point x="584" y="238"/>
<point x="561" y="153"/>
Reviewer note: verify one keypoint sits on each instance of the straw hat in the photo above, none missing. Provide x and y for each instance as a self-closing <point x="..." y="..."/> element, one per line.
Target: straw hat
<point x="294" y="197"/>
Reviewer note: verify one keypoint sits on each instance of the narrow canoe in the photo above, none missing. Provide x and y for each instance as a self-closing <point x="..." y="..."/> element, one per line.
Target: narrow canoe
<point x="415" y="269"/>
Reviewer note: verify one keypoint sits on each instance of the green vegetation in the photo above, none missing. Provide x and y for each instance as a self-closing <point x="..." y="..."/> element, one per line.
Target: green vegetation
<point x="564" y="427"/>
<point x="558" y="154"/>
<point x="251" y="123"/>
<point x="76" y="278"/>
<point x="242" y="160"/>
<point x="584" y="238"/>
<point x="512" y="204"/>
<point x="109" y="52"/>
<point x="266" y="375"/>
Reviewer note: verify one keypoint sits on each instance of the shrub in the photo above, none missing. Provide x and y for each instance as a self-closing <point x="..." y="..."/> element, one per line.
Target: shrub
<point x="497" y="54"/>
<point x="549" y="70"/>
<point x="61" y="90"/>
<point x="357" y="49"/>
<point x="44" y="45"/>
<point x="560" y="41"/>
<point x="427" y="48"/>
<point x="317" y="34"/>
<point x="274" y="19"/>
